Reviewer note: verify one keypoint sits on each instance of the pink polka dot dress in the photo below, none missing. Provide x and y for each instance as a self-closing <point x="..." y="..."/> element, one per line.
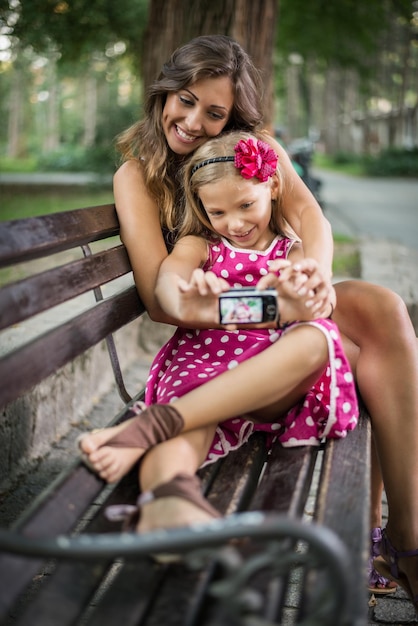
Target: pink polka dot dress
<point x="192" y="357"/>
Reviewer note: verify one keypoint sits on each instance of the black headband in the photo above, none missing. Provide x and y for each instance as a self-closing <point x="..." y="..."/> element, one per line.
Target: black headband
<point x="221" y="159"/>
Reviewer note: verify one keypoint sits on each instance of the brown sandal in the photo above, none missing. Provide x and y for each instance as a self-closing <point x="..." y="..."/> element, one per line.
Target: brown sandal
<point x="186" y="486"/>
<point x="151" y="426"/>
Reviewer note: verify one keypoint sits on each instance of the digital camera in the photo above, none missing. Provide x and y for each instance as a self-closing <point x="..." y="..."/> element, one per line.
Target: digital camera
<point x="248" y="306"/>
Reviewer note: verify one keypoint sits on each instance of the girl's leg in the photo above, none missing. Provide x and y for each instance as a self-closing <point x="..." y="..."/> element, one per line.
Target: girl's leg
<point x="294" y="363"/>
<point x="377" y="321"/>
<point x="182" y="455"/>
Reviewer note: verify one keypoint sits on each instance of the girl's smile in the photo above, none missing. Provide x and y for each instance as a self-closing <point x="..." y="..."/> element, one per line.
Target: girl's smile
<point x="240" y="211"/>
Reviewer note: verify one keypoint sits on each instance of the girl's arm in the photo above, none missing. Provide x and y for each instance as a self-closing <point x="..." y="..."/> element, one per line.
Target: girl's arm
<point x="140" y="231"/>
<point x="185" y="292"/>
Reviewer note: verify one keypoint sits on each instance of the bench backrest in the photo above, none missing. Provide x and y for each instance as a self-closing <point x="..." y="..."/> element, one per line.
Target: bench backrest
<point x="30" y="239"/>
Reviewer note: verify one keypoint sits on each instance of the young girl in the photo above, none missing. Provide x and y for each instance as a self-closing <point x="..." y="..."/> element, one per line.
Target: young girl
<point x="208" y="86"/>
<point x="232" y="236"/>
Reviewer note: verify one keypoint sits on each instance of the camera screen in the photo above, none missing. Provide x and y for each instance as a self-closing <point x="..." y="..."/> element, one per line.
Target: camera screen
<point x="241" y="310"/>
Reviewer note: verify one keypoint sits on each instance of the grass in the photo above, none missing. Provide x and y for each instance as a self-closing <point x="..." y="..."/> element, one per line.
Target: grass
<point x="351" y="167"/>
<point x="346" y="261"/>
<point x="17" y="165"/>
<point x="18" y="205"/>
<point x="22" y="204"/>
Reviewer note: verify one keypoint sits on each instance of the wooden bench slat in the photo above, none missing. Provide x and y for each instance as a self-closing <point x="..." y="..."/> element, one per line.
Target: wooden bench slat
<point x="285" y="484"/>
<point x="61" y="345"/>
<point x="16" y="573"/>
<point x="36" y="294"/>
<point x="186" y="590"/>
<point x="62" y="507"/>
<point x="230" y="496"/>
<point x="128" y="600"/>
<point x="227" y="495"/>
<point x="63" y="602"/>
<point x="344" y="495"/>
<point x="35" y="237"/>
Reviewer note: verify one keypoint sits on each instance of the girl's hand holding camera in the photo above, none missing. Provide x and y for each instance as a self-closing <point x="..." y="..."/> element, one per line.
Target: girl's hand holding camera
<point x="198" y="297"/>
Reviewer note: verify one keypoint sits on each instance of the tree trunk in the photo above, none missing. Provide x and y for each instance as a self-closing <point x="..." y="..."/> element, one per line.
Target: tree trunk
<point x="52" y="139"/>
<point x="172" y="23"/>
<point x="90" y="110"/>
<point x="332" y="110"/>
<point x="14" y="130"/>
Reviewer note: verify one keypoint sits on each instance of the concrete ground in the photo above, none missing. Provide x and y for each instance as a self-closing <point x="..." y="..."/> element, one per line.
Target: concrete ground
<point x="395" y="266"/>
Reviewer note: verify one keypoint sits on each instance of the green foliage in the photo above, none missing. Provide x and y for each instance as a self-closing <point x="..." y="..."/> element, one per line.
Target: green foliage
<point x="346" y="33"/>
<point x="347" y="260"/>
<point x="19" y="204"/>
<point x="340" y="162"/>
<point x="393" y="162"/>
<point x="72" y="158"/>
<point x="76" y="28"/>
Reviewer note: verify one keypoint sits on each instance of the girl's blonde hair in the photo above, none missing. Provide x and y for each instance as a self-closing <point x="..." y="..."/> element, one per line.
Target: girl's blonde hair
<point x="195" y="220"/>
<point x="209" y="56"/>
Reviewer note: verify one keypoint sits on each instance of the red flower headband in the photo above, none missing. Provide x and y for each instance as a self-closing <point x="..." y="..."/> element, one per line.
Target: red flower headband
<point x="255" y="159"/>
<point x="252" y="158"/>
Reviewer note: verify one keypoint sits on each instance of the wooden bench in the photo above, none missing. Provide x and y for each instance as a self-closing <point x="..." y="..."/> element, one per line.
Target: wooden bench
<point x="63" y="563"/>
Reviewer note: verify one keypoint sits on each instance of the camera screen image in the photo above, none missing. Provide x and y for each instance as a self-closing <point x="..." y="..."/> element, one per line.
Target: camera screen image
<point x="241" y="310"/>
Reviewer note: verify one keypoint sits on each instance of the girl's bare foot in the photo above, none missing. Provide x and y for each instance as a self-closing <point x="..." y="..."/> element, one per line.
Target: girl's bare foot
<point x="109" y="462"/>
<point x="112" y="452"/>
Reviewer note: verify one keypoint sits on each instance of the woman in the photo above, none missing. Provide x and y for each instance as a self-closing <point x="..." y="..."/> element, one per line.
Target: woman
<point x="208" y="86"/>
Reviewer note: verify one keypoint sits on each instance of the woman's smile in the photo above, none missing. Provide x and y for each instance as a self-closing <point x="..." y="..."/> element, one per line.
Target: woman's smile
<point x="184" y="136"/>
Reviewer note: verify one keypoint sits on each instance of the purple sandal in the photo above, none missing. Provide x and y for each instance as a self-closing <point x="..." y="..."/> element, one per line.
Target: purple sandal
<point x="377" y="584"/>
<point x="387" y="565"/>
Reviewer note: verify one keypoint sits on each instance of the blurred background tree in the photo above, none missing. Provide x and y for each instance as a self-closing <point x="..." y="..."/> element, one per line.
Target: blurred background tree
<point x="72" y="72"/>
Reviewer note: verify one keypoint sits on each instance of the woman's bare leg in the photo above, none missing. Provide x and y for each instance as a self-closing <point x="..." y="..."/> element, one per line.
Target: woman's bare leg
<point x="376" y="490"/>
<point x="376" y="583"/>
<point x="377" y="321"/>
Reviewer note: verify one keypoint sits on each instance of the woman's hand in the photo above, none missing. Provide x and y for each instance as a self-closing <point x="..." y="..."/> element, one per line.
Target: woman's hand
<point x="304" y="293"/>
<point x="321" y="298"/>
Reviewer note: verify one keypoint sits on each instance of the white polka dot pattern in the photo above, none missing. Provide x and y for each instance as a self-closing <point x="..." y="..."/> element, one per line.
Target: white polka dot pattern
<point x="192" y="357"/>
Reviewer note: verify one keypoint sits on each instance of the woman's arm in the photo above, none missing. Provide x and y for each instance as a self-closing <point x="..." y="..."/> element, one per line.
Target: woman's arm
<point x="305" y="216"/>
<point x="140" y="231"/>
